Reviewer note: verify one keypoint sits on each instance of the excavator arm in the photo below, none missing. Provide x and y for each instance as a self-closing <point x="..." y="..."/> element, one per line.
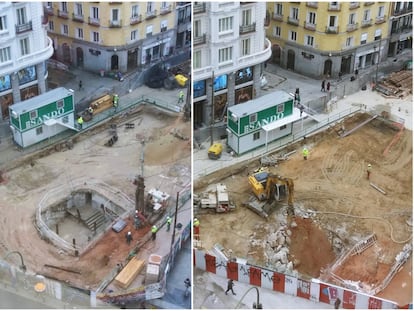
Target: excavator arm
<point x="274" y="180"/>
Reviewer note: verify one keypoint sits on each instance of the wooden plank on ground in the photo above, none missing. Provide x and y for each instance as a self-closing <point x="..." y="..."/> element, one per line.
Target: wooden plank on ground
<point x="129" y="272"/>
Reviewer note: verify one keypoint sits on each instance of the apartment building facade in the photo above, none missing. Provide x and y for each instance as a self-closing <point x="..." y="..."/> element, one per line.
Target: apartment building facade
<point x="401" y="27"/>
<point x="326" y="39"/>
<point x="229" y="52"/>
<point x="113" y="36"/>
<point x="24" y="50"/>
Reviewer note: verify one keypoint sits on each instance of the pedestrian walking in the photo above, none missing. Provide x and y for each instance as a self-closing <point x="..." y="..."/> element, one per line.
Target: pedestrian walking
<point x="323" y="86"/>
<point x="328" y="86"/>
<point x="187" y="284"/>
<point x="80" y="122"/>
<point x="129" y="237"/>
<point x="337" y="303"/>
<point x="196" y="225"/>
<point x="369" y="168"/>
<point x="80" y="85"/>
<point x="181" y="97"/>
<point x="305" y="153"/>
<point x="154" y="230"/>
<point x="169" y="219"/>
<point x="230" y="285"/>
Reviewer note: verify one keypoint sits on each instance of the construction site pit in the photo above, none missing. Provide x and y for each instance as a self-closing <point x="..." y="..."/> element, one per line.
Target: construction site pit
<point x="74" y="219"/>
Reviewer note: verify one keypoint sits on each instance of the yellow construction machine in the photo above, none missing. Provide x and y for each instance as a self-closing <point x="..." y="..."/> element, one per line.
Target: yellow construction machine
<point x="268" y="187"/>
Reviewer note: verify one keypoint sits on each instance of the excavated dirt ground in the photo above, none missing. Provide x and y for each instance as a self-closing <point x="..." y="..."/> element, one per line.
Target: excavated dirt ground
<point x="333" y="201"/>
<point x="167" y="167"/>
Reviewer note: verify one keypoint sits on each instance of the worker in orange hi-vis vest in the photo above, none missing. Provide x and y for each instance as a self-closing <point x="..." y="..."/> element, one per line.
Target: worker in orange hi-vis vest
<point x="196" y="225"/>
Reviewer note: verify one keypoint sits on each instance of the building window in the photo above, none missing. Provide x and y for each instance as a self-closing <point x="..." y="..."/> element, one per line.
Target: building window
<point x="364" y="37"/>
<point x="39" y="130"/>
<point x="377" y="36"/>
<point x="95" y="37"/>
<point x="279" y="9"/>
<point x="349" y="41"/>
<point x="78" y="9"/>
<point x="65" y="29"/>
<point x="24" y="46"/>
<point x="246" y="17"/>
<point x="5" y="55"/>
<point x="164" y="26"/>
<point x="352" y="19"/>
<point x="276" y="31"/>
<point x="292" y="35"/>
<point x="197" y="28"/>
<point x="21" y="16"/>
<point x="135" y="11"/>
<point x="65" y="119"/>
<point x="64" y="6"/>
<point x="280" y="108"/>
<point x="332" y="21"/>
<point x="134" y="35"/>
<point x="246" y="47"/>
<point x="33" y="114"/>
<point x="164" y="5"/>
<point x="294" y="13"/>
<point x="3" y="23"/>
<point x="148" y="30"/>
<point x="253" y="118"/>
<point x="312" y="18"/>
<point x="256" y="136"/>
<point x="283" y="127"/>
<point x="366" y="15"/>
<point x="225" y="54"/>
<point x="226" y="24"/>
<point x="95" y="12"/>
<point x="79" y="33"/>
<point x="51" y="26"/>
<point x="309" y="40"/>
<point x="381" y="11"/>
<point x="115" y="16"/>
<point x="197" y="59"/>
<point x="150" y="7"/>
<point x="60" y="104"/>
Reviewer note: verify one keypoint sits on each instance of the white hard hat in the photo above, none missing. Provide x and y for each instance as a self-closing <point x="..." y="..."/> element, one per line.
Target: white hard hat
<point x="195" y="219"/>
<point x="369" y="165"/>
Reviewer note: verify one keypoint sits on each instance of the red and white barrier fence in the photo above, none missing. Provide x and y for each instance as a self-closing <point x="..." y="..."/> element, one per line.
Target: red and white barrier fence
<point x="313" y="289"/>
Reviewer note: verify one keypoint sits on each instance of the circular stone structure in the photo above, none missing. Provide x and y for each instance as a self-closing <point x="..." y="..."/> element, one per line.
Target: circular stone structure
<point x="73" y="217"/>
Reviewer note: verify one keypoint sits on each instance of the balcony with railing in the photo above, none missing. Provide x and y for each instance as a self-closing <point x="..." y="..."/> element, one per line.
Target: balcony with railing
<point x="24" y="27"/>
<point x="366" y="23"/>
<point x="115" y="24"/>
<point x="199" y="7"/>
<point x="197" y="40"/>
<point x="351" y="27"/>
<point x="334" y="7"/>
<point x="49" y="10"/>
<point x="63" y="14"/>
<point x="165" y="9"/>
<point x="401" y="11"/>
<point x="94" y="21"/>
<point x="36" y="57"/>
<point x="246" y="2"/>
<point x="247" y="28"/>
<point x="353" y="5"/>
<point x="135" y="19"/>
<point x="277" y="17"/>
<point x="331" y="29"/>
<point x="77" y="17"/>
<point x="151" y="14"/>
<point x="312" y="5"/>
<point x="293" y="21"/>
<point x="368" y="3"/>
<point x="380" y="19"/>
<point x="309" y="26"/>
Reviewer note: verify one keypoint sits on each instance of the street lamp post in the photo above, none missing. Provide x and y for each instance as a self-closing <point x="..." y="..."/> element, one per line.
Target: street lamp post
<point x="257" y="304"/>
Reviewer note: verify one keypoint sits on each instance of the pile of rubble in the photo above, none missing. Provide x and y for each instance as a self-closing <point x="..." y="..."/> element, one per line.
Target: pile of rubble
<point x="397" y="85"/>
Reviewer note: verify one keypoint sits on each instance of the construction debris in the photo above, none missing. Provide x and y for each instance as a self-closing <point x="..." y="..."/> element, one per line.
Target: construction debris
<point x="396" y="85"/>
<point x="273" y="160"/>
<point x="377" y="188"/>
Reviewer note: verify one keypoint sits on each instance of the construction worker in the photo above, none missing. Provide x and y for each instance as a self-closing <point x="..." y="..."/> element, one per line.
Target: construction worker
<point x="115" y="101"/>
<point x="154" y="230"/>
<point x="196" y="225"/>
<point x="305" y="153"/>
<point x="369" y="168"/>
<point x="181" y="97"/>
<point x="169" y="219"/>
<point x="230" y="285"/>
<point x="129" y="237"/>
<point x="80" y="122"/>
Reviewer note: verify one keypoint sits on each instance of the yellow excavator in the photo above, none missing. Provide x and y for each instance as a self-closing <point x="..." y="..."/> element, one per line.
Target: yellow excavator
<point x="268" y="187"/>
